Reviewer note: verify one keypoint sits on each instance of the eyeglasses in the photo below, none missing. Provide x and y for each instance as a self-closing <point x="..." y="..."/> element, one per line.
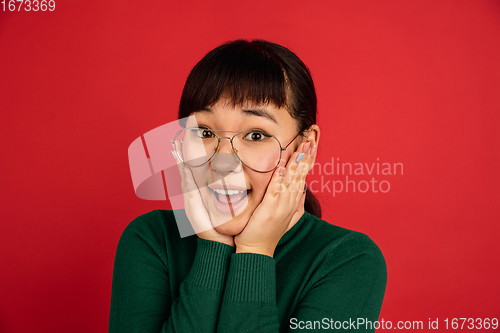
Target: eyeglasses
<point x="257" y="149"/>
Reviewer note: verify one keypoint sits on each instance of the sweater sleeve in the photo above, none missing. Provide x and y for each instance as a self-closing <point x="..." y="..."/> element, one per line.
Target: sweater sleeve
<point x="350" y="285"/>
<point x="141" y="299"/>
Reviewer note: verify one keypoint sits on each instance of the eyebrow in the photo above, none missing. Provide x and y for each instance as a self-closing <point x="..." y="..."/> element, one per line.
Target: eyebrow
<point x="254" y="112"/>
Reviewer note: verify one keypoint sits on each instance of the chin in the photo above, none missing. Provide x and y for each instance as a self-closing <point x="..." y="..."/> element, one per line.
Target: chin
<point x="232" y="227"/>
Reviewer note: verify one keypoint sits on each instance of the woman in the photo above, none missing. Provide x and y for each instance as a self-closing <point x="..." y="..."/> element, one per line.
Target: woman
<point x="262" y="259"/>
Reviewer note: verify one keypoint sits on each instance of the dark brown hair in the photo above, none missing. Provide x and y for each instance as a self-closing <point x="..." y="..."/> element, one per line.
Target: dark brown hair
<point x="255" y="70"/>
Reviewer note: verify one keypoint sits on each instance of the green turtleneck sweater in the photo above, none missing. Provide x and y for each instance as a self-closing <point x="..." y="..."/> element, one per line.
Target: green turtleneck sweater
<point x="322" y="277"/>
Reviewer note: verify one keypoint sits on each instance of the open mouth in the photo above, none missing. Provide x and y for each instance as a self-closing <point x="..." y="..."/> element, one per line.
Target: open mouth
<point x="234" y="196"/>
<point x="229" y="198"/>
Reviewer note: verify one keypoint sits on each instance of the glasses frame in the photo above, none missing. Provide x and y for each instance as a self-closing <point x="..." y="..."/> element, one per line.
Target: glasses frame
<point x="235" y="151"/>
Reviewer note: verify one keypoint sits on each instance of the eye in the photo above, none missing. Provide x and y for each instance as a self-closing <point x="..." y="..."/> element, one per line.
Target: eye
<point x="203" y="133"/>
<point x="257" y="136"/>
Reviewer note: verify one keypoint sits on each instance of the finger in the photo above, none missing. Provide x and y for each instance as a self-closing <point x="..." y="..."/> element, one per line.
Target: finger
<point x="275" y="187"/>
<point x="300" y="186"/>
<point x="177" y="147"/>
<point x="175" y="154"/>
<point x="188" y="184"/>
<point x="303" y="169"/>
<point x="308" y="165"/>
<point x="302" y="200"/>
<point x="295" y="180"/>
<point x="193" y="203"/>
<point x="191" y="188"/>
<point x="194" y="206"/>
<point x="277" y="182"/>
<point x="310" y="156"/>
<point x="292" y="168"/>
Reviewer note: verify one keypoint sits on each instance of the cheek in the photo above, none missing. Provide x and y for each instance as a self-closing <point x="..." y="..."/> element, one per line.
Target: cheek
<point x="284" y="158"/>
<point x="259" y="184"/>
<point x="201" y="175"/>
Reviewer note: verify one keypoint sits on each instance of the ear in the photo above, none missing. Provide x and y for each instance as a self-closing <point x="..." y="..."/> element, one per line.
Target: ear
<point x="312" y="135"/>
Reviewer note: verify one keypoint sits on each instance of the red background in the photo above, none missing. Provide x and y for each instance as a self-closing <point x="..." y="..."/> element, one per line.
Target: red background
<point x="412" y="82"/>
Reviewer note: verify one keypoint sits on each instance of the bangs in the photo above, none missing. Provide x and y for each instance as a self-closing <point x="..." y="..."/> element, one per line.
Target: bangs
<point x="239" y="72"/>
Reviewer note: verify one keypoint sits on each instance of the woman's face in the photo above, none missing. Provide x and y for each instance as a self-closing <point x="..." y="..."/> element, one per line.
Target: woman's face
<point x="226" y="170"/>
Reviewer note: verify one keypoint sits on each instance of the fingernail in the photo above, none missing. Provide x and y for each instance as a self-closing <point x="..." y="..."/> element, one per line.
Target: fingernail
<point x="313" y="150"/>
<point x="300" y="157"/>
<point x="306" y="147"/>
<point x="173" y="154"/>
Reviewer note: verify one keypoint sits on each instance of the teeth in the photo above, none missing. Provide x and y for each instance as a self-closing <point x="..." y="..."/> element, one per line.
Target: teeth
<point x="228" y="192"/>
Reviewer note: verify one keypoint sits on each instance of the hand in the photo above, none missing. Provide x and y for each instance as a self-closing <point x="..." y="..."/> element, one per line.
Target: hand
<point x="194" y="207"/>
<point x="283" y="199"/>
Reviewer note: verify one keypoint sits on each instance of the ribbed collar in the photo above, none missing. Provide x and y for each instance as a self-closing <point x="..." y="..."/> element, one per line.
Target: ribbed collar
<point x="306" y="216"/>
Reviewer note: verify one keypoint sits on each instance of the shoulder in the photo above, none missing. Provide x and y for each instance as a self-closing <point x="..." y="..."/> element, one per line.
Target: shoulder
<point x="153" y="229"/>
<point x="148" y="225"/>
<point x="155" y="221"/>
<point x="349" y="241"/>
<point x="345" y="247"/>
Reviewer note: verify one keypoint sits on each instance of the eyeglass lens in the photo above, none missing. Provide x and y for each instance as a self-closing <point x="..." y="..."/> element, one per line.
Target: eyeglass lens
<point x="257" y="150"/>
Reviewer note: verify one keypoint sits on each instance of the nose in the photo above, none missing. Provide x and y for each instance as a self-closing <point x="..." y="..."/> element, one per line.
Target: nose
<point x="225" y="160"/>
